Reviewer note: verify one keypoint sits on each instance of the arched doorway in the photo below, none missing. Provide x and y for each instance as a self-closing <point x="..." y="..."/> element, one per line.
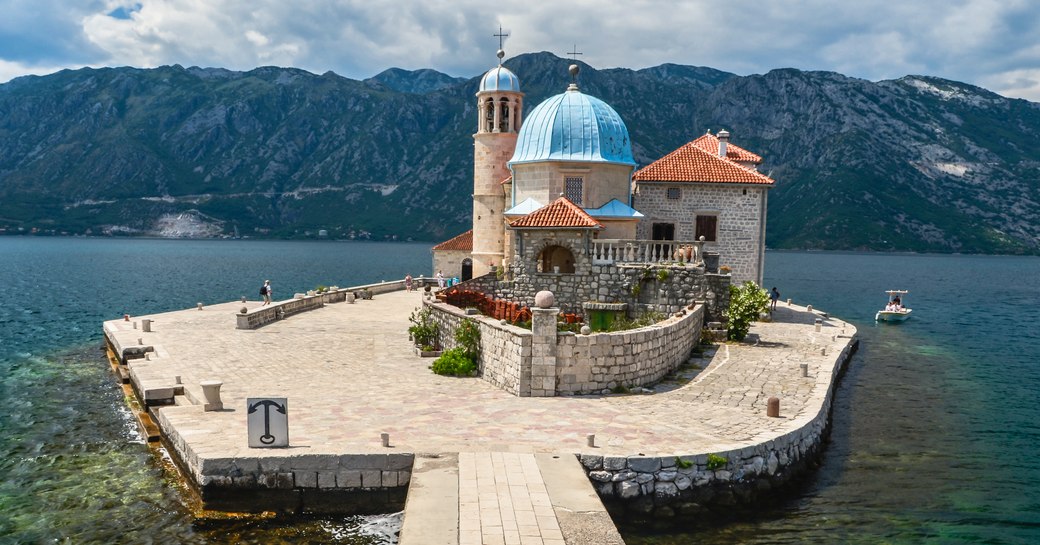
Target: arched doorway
<point x="467" y="269"/>
<point x="553" y="257"/>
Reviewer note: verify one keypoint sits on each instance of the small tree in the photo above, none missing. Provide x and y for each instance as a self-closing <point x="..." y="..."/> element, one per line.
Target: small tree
<point x="461" y="360"/>
<point x="745" y="304"/>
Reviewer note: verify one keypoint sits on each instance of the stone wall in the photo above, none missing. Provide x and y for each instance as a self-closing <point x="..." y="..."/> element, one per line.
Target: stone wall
<point x="592" y="364"/>
<point x="686" y="483"/>
<point x="503" y="347"/>
<point x="543" y="362"/>
<point x="741" y="213"/>
<point x="449" y="262"/>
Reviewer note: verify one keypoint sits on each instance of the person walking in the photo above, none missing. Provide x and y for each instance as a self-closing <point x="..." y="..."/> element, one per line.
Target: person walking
<point x="265" y="290"/>
<point x="774" y="296"/>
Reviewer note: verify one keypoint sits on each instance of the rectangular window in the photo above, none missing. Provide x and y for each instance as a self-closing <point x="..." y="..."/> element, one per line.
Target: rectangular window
<point x="707" y="227"/>
<point x="572" y="188"/>
<point x="674" y="193"/>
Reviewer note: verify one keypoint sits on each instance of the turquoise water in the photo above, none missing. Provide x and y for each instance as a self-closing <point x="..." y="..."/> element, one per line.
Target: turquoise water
<point x="933" y="441"/>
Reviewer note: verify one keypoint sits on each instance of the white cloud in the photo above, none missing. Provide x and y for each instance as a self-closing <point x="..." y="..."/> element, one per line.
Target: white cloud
<point x="976" y="41"/>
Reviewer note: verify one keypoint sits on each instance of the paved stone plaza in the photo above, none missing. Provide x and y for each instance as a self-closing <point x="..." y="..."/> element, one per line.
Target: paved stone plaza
<point x="350" y="373"/>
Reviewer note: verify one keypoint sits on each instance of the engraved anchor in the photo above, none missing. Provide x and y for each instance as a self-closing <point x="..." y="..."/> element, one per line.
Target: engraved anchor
<point x="267" y="438"/>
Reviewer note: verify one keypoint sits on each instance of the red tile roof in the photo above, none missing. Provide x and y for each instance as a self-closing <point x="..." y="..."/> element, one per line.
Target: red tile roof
<point x="691" y="163"/>
<point x="559" y="213"/>
<point x="710" y="143"/>
<point x="463" y="242"/>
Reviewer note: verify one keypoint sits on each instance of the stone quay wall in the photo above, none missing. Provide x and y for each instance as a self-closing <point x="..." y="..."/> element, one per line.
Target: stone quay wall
<point x="312" y="483"/>
<point x="543" y="363"/>
<point x="687" y="484"/>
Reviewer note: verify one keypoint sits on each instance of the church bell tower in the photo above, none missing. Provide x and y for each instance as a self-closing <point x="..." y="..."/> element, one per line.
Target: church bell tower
<point x="499" y="107"/>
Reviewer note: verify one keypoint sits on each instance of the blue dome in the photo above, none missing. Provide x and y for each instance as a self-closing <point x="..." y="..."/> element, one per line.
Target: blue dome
<point x="573" y="126"/>
<point x="500" y="78"/>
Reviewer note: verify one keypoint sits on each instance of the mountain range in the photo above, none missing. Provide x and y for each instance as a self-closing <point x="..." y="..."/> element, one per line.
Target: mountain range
<point x="913" y="164"/>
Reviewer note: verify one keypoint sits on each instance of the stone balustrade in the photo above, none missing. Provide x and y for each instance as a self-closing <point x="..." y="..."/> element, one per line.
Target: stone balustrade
<point x="617" y="251"/>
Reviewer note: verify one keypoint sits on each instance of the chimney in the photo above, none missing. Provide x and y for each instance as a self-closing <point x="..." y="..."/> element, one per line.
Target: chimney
<point x="723" y="140"/>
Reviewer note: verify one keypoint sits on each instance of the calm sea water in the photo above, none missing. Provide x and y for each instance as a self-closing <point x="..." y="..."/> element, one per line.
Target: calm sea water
<point x="934" y="435"/>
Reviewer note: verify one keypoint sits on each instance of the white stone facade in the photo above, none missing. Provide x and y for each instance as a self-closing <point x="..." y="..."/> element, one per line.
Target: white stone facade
<point x="741" y="212"/>
<point x="546" y="181"/>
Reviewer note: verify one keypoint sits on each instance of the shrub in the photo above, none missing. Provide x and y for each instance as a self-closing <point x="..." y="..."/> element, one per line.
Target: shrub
<point x="663" y="274"/>
<point x="423" y="329"/>
<point x="467" y="337"/>
<point x="716" y="462"/>
<point x="454" y="362"/>
<point x="745" y="304"/>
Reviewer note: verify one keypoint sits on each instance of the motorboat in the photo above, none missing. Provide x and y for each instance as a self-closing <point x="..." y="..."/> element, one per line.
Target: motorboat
<point x="896" y="309"/>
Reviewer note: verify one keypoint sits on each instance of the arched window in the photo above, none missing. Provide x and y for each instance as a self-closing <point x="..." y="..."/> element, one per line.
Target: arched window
<point x="503" y="121"/>
<point x="489" y="115"/>
<point x="556" y="259"/>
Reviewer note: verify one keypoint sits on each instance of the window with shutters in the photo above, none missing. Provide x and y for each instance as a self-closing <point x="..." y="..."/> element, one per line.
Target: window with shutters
<point x="707" y="227"/>
<point x="572" y="188"/>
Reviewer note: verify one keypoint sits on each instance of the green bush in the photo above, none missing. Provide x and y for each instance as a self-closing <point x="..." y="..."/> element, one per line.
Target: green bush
<point x="716" y="462"/>
<point x="745" y="304"/>
<point x="454" y="362"/>
<point x="467" y="337"/>
<point x="423" y="329"/>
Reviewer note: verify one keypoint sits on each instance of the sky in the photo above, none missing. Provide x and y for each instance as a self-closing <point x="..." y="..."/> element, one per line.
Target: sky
<point x="989" y="43"/>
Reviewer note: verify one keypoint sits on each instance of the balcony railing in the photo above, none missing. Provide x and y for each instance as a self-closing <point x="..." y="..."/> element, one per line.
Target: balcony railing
<point x="616" y="251"/>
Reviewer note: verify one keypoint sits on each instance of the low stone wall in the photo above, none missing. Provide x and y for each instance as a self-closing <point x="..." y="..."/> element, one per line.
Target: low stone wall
<point x="573" y="364"/>
<point x="686" y="484"/>
<point x="261" y="316"/>
<point x="591" y="364"/>
<point x="503" y="347"/>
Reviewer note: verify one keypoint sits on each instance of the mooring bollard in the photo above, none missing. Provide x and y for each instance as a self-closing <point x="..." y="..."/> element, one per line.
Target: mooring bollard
<point x="808" y="307"/>
<point x="243" y="298"/>
<point x="199" y="305"/>
<point x="146" y="325"/>
<point x="211" y="389"/>
<point x="590" y="439"/>
<point x="788" y="302"/>
<point x="773" y="409"/>
<point x="819" y="324"/>
<point x="135" y="325"/>
<point x="805" y="369"/>
<point x="385" y="437"/>
<point x="176" y="379"/>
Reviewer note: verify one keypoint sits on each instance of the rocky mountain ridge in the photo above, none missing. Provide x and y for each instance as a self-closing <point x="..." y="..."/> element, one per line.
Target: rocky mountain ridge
<point x="913" y="164"/>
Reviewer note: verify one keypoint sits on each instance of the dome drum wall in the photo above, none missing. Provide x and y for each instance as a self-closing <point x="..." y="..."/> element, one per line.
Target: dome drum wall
<point x="546" y="181"/>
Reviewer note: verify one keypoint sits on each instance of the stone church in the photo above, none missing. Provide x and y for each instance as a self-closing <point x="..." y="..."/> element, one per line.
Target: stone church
<point x="557" y="196"/>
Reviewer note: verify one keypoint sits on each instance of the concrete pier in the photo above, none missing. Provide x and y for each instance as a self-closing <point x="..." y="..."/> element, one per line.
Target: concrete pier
<point x="350" y="375"/>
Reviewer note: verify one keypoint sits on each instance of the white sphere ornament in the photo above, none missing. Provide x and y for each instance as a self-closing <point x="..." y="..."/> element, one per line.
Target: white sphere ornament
<point x="544" y="299"/>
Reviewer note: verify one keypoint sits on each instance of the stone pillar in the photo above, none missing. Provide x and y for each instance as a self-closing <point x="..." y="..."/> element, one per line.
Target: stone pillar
<point x="543" y="346"/>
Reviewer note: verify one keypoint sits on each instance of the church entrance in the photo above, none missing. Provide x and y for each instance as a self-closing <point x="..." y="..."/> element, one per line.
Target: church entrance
<point x="467" y="269"/>
<point x="556" y="259"/>
<point x="663" y="231"/>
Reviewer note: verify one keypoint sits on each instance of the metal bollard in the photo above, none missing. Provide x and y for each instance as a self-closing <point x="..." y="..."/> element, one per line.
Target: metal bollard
<point x="819" y="324"/>
<point x="590" y="440"/>
<point x="805" y="369"/>
<point x="773" y="409"/>
<point x="385" y="437"/>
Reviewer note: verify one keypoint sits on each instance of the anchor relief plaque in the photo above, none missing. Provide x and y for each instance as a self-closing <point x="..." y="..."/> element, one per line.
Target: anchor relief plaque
<point x="268" y="421"/>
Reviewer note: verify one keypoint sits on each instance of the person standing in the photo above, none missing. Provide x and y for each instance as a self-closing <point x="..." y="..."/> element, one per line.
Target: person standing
<point x="440" y="279"/>
<point x="408" y="282"/>
<point x="774" y="296"/>
<point x="265" y="290"/>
